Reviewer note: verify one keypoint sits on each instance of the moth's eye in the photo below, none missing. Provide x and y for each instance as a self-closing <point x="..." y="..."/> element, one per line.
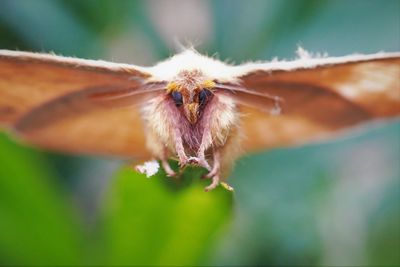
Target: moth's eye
<point x="204" y="95"/>
<point x="177" y="97"/>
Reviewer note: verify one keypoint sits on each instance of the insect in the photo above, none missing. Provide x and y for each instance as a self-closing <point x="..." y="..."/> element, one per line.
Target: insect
<point x="196" y="109"/>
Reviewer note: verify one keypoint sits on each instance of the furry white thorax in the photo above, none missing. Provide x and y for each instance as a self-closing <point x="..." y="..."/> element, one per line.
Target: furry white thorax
<point x="190" y="60"/>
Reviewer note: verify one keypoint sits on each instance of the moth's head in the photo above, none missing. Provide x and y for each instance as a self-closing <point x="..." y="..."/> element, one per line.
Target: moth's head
<point x="191" y="91"/>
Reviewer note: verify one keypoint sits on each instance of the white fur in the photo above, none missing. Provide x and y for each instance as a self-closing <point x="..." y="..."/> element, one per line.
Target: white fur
<point x="305" y="61"/>
<point x="76" y="62"/>
<point x="191" y="60"/>
<point x="149" y="168"/>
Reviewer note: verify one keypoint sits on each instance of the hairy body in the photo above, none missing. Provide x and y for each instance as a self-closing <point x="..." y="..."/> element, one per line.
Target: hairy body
<point x="195" y="135"/>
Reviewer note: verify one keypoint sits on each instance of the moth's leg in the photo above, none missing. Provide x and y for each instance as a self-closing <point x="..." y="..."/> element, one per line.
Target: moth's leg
<point x="216" y="165"/>
<point x="180" y="150"/>
<point x="202" y="162"/>
<point x="214" y="174"/>
<point x="159" y="151"/>
<point x="167" y="168"/>
<point x="201" y="154"/>
<point x="164" y="162"/>
<point x="214" y="184"/>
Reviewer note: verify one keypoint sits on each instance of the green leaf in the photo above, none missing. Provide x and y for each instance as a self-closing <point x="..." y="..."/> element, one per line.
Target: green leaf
<point x="36" y="227"/>
<point x="160" y="221"/>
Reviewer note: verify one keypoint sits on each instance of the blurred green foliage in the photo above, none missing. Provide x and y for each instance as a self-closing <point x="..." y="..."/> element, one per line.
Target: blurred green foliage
<point x="37" y="226"/>
<point x="151" y="224"/>
<point x="323" y="204"/>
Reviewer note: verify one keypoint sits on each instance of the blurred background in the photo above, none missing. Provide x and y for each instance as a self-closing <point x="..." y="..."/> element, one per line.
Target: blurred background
<point x="331" y="204"/>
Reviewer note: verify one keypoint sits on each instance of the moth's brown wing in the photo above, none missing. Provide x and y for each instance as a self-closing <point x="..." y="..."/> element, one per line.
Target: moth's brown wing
<point x="321" y="97"/>
<point x="114" y="132"/>
<point x="55" y="102"/>
<point x="84" y="101"/>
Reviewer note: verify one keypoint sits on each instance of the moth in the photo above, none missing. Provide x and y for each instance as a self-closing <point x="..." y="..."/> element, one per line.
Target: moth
<point x="190" y="107"/>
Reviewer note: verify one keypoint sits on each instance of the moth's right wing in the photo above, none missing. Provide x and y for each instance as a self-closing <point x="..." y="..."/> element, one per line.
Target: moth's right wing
<point x="315" y="99"/>
<point x="74" y="105"/>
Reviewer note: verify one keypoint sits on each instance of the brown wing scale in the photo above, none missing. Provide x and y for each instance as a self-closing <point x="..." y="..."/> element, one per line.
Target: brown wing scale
<point x="318" y="102"/>
<point x="51" y="101"/>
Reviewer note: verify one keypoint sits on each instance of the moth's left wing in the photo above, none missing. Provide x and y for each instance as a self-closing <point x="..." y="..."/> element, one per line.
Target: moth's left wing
<point x="73" y="105"/>
<point x="318" y="97"/>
